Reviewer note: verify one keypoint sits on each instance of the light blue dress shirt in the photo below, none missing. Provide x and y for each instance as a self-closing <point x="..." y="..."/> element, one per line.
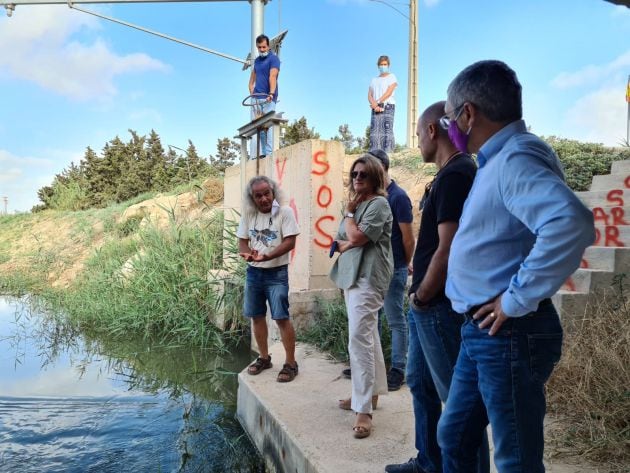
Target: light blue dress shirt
<point x="522" y="232"/>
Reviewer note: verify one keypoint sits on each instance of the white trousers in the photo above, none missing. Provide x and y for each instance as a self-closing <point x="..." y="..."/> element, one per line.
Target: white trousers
<point x="366" y="355"/>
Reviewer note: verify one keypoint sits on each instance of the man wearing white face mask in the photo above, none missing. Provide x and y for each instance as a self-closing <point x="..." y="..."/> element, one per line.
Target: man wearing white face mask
<point x="263" y="82"/>
<point x="382" y="103"/>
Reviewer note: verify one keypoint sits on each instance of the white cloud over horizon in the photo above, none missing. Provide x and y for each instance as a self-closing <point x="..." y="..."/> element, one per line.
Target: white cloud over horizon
<point x="38" y="45"/>
<point x="592" y="74"/>
<point x="599" y="116"/>
<point x="22" y="176"/>
<point x="599" y="113"/>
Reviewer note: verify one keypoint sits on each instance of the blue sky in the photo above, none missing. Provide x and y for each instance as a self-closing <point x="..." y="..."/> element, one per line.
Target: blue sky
<point x="69" y="80"/>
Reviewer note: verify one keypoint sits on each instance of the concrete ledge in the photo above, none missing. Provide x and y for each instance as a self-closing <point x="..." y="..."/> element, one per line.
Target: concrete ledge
<point x="297" y="426"/>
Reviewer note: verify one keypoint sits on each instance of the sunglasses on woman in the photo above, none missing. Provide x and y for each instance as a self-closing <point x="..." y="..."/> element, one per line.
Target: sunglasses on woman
<point x="359" y="175"/>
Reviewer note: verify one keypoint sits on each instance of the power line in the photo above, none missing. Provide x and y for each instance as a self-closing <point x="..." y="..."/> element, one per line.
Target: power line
<point x="393" y="7"/>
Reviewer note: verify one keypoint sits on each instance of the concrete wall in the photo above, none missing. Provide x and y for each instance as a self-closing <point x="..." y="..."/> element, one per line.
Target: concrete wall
<point x="310" y="175"/>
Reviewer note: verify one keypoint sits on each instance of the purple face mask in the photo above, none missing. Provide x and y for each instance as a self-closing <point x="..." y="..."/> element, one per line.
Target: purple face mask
<point x="458" y="137"/>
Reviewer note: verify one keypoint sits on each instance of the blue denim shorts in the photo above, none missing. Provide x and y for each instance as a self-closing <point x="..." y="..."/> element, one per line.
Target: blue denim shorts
<point x="267" y="285"/>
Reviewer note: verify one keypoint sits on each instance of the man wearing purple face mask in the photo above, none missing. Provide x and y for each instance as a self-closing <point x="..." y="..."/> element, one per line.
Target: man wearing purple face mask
<point x="521" y="234"/>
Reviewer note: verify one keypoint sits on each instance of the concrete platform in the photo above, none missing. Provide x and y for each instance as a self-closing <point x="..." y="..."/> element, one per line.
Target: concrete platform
<point x="298" y="428"/>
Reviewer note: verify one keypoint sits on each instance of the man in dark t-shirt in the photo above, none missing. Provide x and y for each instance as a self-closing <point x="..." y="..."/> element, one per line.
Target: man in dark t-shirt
<point x="434" y="328"/>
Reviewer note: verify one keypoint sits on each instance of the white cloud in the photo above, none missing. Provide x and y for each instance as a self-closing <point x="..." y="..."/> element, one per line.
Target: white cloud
<point x="146" y="115"/>
<point x="620" y="11"/>
<point x="22" y="176"/>
<point x="37" y="45"/>
<point x="592" y="74"/>
<point x="599" y="116"/>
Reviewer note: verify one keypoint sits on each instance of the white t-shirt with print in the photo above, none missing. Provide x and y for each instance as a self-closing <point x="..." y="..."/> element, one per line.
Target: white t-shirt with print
<point x="265" y="232"/>
<point x="379" y="86"/>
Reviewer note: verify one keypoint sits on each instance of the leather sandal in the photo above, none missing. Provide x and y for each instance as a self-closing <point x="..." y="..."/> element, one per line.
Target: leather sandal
<point x="362" y="431"/>
<point x="260" y="364"/>
<point x="287" y="373"/>
<point x="346" y="404"/>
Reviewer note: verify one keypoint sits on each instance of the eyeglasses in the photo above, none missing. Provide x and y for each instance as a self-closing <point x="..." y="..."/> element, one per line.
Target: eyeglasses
<point x="445" y="121"/>
<point x="359" y="175"/>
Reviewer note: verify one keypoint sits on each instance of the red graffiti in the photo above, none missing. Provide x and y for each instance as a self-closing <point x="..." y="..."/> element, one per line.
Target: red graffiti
<point x="322" y="232"/>
<point x="584" y="263"/>
<point x="570" y="285"/>
<point x="324" y="196"/>
<point x="627" y="182"/>
<point x="611" y="235"/>
<point x="324" y="163"/>
<point x="324" y="199"/>
<point x="617" y="215"/>
<point x="615" y="196"/>
<point x="280" y="170"/>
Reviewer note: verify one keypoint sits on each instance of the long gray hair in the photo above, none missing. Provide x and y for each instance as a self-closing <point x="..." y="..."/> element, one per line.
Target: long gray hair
<point x="249" y="206"/>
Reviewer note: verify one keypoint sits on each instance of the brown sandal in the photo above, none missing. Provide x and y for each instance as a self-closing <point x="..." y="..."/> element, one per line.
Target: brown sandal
<point x="287" y="373"/>
<point x="346" y="404"/>
<point x="260" y="364"/>
<point x="362" y="430"/>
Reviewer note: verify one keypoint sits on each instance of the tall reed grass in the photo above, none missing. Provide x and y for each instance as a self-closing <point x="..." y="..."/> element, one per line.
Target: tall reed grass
<point x="155" y="283"/>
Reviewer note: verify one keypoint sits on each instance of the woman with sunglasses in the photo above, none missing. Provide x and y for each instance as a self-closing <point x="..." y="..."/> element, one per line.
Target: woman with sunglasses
<point x="364" y="270"/>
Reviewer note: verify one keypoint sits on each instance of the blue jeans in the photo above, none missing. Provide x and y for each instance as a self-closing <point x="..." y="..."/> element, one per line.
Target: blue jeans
<point x="396" y="320"/>
<point x="266" y="138"/>
<point x="264" y="285"/>
<point x="506" y="375"/>
<point x="434" y="341"/>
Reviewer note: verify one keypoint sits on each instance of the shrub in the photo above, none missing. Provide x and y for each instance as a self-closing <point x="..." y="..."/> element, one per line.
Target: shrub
<point x="582" y="161"/>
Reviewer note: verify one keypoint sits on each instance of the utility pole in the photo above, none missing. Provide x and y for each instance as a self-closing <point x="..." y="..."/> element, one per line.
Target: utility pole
<point x="258" y="23"/>
<point x="412" y="76"/>
<point x="5" y="199"/>
<point x="628" y="117"/>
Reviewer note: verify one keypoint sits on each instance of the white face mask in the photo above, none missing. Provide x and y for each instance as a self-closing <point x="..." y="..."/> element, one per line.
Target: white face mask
<point x="264" y="54"/>
<point x="383" y="69"/>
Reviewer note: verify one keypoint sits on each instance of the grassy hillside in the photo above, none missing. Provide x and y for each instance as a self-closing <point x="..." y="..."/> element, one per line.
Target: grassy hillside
<point x="141" y="268"/>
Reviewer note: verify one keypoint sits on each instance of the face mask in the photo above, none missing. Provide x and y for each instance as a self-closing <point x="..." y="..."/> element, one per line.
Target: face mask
<point x="458" y="137"/>
<point x="265" y="54"/>
<point x="383" y="69"/>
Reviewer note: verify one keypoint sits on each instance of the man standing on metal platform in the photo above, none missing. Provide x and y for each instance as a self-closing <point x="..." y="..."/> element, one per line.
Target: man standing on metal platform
<point x="263" y="83"/>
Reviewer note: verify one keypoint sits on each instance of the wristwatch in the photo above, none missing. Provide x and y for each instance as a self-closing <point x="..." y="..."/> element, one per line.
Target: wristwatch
<point x="349" y="215"/>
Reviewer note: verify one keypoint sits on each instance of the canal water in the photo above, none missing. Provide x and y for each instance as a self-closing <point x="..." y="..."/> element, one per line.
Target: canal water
<point x="72" y="403"/>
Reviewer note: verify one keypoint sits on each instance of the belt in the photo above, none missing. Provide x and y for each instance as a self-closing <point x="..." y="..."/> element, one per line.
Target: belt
<point x="474" y="309"/>
<point x="275" y="268"/>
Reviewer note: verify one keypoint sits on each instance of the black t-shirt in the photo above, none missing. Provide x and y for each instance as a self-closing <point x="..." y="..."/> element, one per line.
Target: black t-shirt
<point x="400" y="204"/>
<point x="443" y="202"/>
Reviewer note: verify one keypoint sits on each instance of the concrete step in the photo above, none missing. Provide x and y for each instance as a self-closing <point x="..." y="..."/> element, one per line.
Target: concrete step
<point x="620" y="167"/>
<point x="606" y="258"/>
<point x="603" y="198"/>
<point x="611" y="181"/>
<point x="587" y="280"/>
<point x="612" y="235"/>
<point x="570" y="304"/>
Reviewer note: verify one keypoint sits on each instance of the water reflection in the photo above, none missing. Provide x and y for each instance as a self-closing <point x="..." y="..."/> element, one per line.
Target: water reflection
<point x="70" y="402"/>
